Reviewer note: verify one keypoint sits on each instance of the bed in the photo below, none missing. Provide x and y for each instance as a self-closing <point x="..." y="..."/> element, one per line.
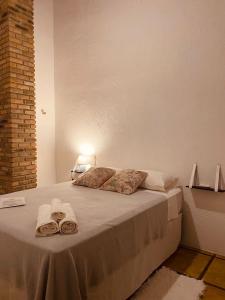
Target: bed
<point x="121" y="241"/>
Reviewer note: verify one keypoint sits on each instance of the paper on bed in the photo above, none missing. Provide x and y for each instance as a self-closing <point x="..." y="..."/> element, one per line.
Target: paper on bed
<point x="113" y="230"/>
<point x="6" y="202"/>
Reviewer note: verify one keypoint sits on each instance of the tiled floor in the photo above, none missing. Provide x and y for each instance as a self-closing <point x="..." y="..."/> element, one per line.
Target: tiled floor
<point x="201" y="265"/>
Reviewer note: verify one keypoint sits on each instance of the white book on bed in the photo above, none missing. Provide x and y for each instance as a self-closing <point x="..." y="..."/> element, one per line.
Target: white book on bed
<point x="11" y="201"/>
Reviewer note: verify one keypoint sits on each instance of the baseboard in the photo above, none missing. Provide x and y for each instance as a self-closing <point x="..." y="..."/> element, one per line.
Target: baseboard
<point x="198" y="250"/>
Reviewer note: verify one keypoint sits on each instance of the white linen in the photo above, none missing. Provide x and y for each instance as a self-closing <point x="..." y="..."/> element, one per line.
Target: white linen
<point x="57" y="210"/>
<point x="117" y="234"/>
<point x="175" y="199"/>
<point x="158" y="181"/>
<point x="12" y="201"/>
<point x="45" y="225"/>
<point x="69" y="223"/>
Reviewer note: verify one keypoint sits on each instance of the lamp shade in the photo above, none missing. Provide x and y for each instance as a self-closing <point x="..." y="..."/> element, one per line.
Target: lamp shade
<point x="86" y="159"/>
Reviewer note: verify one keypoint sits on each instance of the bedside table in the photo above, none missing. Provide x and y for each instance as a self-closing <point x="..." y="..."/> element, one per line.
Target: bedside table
<point x="74" y="174"/>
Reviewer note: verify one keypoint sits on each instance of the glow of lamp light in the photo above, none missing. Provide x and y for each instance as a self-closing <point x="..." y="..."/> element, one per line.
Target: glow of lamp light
<point x="87" y="149"/>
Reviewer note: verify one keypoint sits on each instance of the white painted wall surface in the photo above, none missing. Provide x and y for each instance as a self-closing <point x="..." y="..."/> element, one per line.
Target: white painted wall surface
<point x="143" y="81"/>
<point x="45" y="94"/>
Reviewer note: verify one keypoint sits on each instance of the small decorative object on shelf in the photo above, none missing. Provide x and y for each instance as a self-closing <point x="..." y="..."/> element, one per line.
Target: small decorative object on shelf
<point x="193" y="175"/>
<point x="217" y="179"/>
<point x="216" y="188"/>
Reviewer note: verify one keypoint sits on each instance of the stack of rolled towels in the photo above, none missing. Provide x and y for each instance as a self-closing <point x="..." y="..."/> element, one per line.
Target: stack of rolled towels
<point x="56" y="217"/>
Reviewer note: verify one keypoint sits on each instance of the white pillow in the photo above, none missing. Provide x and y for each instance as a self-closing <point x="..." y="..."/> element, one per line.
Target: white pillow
<point x="159" y="181"/>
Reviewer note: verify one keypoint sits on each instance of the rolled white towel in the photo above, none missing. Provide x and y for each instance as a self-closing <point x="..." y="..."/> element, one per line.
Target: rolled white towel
<point x="69" y="224"/>
<point x="57" y="210"/>
<point x="45" y="225"/>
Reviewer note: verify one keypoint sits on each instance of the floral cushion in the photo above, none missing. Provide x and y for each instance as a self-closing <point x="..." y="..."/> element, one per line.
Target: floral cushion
<point x="125" y="182"/>
<point x="94" y="177"/>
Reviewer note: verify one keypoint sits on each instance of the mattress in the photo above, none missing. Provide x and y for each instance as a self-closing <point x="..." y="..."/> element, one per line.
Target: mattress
<point x="113" y="230"/>
<point x="175" y="200"/>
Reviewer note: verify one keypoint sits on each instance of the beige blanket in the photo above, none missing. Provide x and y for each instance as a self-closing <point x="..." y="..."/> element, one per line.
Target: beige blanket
<point x="113" y="228"/>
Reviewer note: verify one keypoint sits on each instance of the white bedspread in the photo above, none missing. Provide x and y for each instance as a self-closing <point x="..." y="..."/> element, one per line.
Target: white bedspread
<point x="113" y="229"/>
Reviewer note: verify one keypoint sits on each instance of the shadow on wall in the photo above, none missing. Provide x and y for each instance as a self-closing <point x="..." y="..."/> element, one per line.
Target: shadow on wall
<point x="203" y="220"/>
<point x="188" y="219"/>
<point x="208" y="200"/>
<point x="203" y="217"/>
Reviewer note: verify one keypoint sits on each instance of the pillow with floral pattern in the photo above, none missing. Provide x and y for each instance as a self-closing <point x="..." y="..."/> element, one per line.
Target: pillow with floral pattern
<point x="125" y="181"/>
<point x="94" y="177"/>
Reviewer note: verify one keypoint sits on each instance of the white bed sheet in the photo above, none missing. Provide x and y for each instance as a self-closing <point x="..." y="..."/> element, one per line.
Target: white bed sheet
<point x="175" y="200"/>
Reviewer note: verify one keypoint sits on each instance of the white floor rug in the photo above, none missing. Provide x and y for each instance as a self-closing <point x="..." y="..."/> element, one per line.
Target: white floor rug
<point x="166" y="284"/>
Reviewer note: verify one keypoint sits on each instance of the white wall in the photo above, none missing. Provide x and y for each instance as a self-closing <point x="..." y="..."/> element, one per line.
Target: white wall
<point x="45" y="94"/>
<point x="143" y="81"/>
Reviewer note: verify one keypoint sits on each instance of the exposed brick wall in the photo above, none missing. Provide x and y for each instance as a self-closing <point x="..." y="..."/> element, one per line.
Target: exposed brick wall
<point x="17" y="101"/>
<point x="4" y="97"/>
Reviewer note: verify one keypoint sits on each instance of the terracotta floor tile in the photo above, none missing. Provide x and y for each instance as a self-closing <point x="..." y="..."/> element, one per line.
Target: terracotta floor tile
<point x="215" y="274"/>
<point x="213" y="293"/>
<point x="188" y="262"/>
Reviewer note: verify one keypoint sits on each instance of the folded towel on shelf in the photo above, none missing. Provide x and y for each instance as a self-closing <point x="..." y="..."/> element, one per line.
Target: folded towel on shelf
<point x="45" y="225"/>
<point x="69" y="224"/>
<point x="57" y="210"/>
